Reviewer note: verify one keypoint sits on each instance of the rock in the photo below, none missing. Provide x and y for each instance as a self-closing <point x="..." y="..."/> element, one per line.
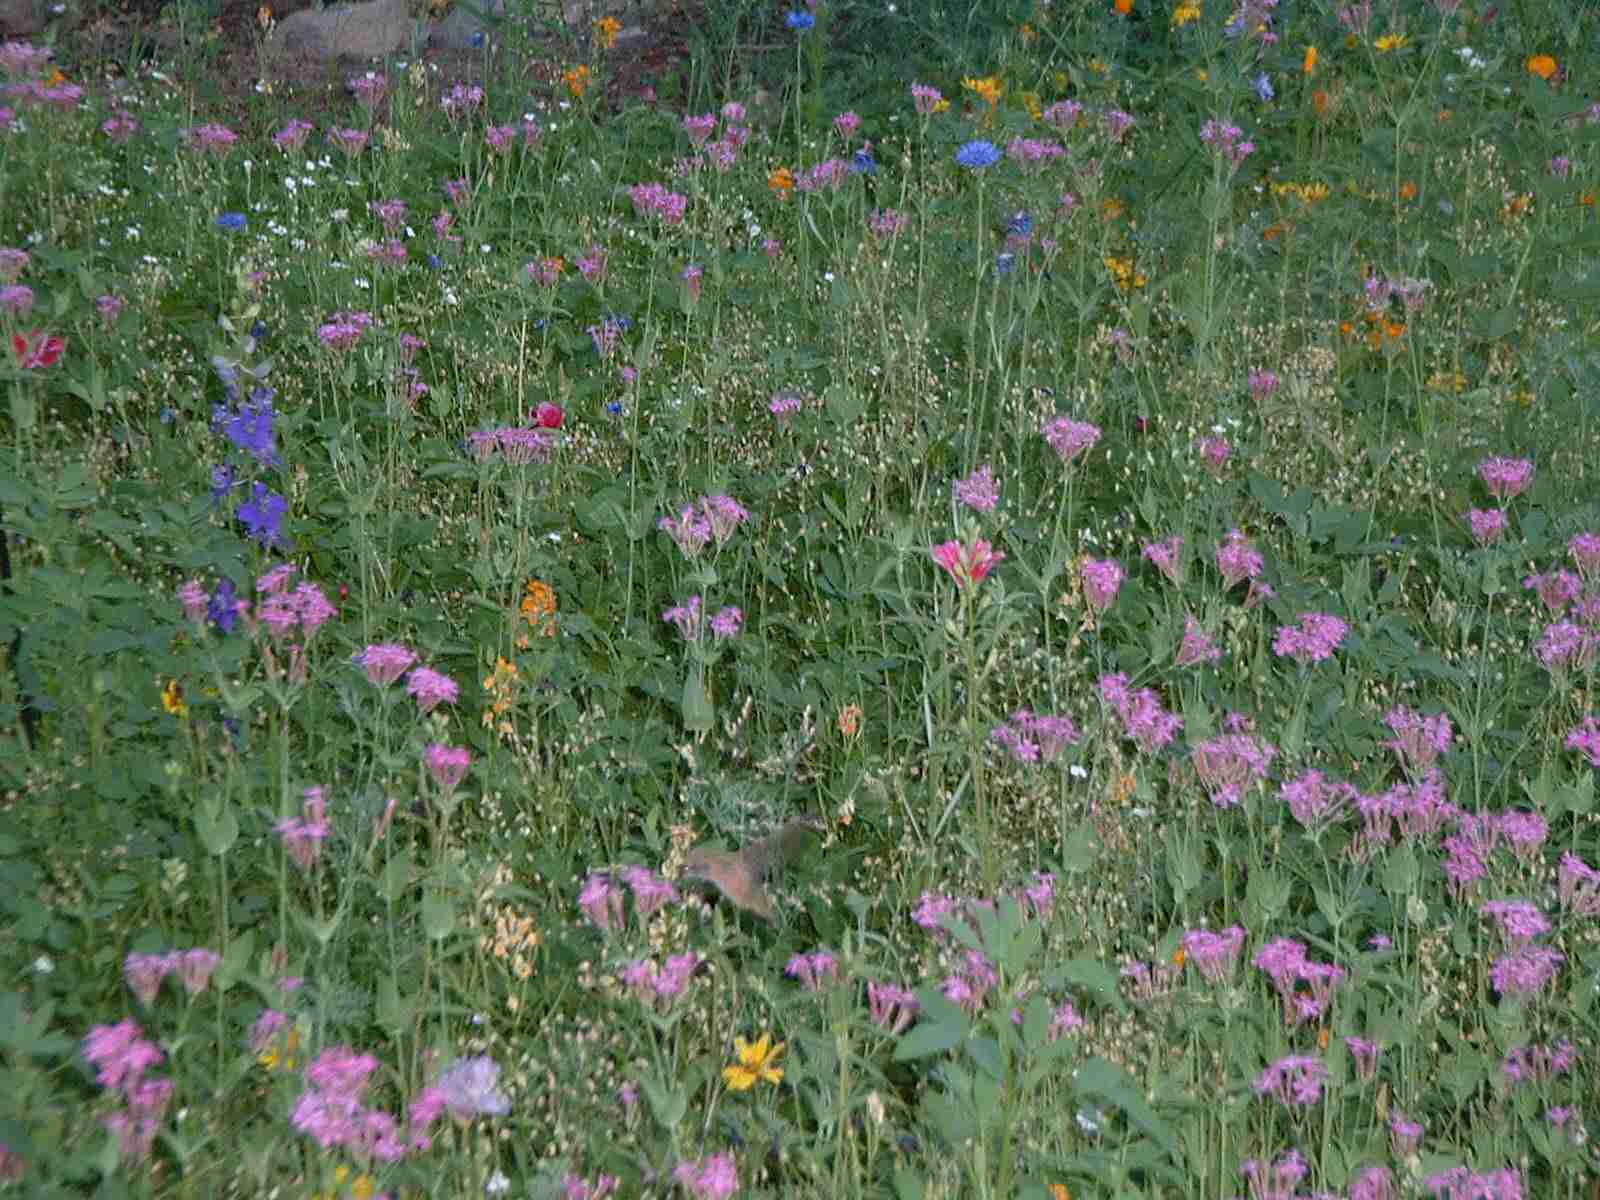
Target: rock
<point x="369" y="30"/>
<point x="21" y="18"/>
<point x="464" y="29"/>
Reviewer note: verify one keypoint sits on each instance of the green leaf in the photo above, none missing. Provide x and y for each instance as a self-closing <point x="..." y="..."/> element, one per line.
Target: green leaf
<point x="928" y="1038"/>
<point x="1101" y="1080"/>
<point x="698" y="713"/>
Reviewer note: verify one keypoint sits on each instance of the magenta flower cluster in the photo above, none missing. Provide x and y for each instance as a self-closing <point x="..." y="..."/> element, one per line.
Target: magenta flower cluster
<point x="1032" y="738"/>
<point x="604" y="901"/>
<point x="121" y="1056"/>
<point x="1143" y="718"/>
<point x="1285" y="963"/>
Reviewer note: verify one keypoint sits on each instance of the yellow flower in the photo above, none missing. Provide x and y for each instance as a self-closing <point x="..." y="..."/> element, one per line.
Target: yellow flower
<point x="1310" y="63"/>
<point x="577" y="80"/>
<point x="1034" y="105"/>
<point x="1306" y="193"/>
<point x="1447" y="381"/>
<point x="1058" y="1191"/>
<point x="942" y="106"/>
<point x="283" y="1053"/>
<point x="1122" y="271"/>
<point x="755" y="1064"/>
<point x="1029" y="33"/>
<point x="172" y="699"/>
<point x="1112" y="208"/>
<point x="988" y="89"/>
<point x="1390" y="41"/>
<point x="606" y="29"/>
<point x="1185" y="13"/>
<point x="539" y="608"/>
<point x="1543" y="66"/>
<point x="781" y="180"/>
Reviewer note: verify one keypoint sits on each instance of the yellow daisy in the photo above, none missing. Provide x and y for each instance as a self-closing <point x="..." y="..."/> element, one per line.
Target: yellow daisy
<point x="755" y="1064"/>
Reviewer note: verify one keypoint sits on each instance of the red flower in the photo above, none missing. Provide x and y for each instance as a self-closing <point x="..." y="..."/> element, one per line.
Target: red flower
<point x="37" y="349"/>
<point x="549" y="416"/>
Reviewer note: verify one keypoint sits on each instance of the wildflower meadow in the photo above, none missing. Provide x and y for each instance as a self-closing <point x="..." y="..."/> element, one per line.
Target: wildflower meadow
<point x="929" y="603"/>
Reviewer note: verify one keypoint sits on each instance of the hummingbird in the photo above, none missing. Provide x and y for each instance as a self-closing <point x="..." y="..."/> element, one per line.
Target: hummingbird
<point x="741" y="875"/>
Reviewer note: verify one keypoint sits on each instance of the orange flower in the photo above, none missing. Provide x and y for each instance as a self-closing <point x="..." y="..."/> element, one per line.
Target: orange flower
<point x="1543" y="66"/>
<point x="1310" y="63"/>
<point x="1112" y="209"/>
<point x="781" y="180"/>
<point x="1124" y="7"/>
<point x="1408" y="190"/>
<point x="1322" y="1040"/>
<point x="538" y="610"/>
<point x="1179" y="957"/>
<point x="577" y="80"/>
<point x="988" y="89"/>
<point x="1320" y="101"/>
<point x="606" y="29"/>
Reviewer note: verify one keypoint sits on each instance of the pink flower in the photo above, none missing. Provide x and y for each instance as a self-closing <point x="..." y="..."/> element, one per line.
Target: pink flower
<point x="1167" y="556"/>
<point x="386" y="662"/>
<point x="1230" y="764"/>
<point x="1214" y="453"/>
<point x="1295" y="1080"/>
<point x="1238" y="559"/>
<point x="978" y="490"/>
<point x="1143" y="718"/>
<point x="194" y="600"/>
<point x="368" y="89"/>
<point x="1313" y="640"/>
<point x="1262" y="385"/>
<point x="847" y="123"/>
<point x="1418" y="740"/>
<point x="144" y="973"/>
<point x="430" y="688"/>
<point x="195" y="968"/>
<point x="1585" y="551"/>
<point x="967" y="565"/>
<point x="1315" y="800"/>
<point x="1526" y="971"/>
<point x="602" y="901"/>
<point x="1506" y="477"/>
<point x="1215" y="955"/>
<point x="714" y="1178"/>
<point x="1102" y="579"/>
<point x="1487" y="525"/>
<point x="549" y="416"/>
<point x="448" y="765"/>
<point x="925" y="99"/>
<point x="121" y="1054"/>
<point x="1197" y="646"/>
<point x="1070" y="439"/>
<point x="892" y="1008"/>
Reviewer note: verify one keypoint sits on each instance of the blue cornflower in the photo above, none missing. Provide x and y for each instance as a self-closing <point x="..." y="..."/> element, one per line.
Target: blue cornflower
<point x="1005" y="264"/>
<point x="222" y="610"/>
<point x="1021" y="225"/>
<point x="169" y="415"/>
<point x="478" y="39"/>
<point x="1263" y="87"/>
<point x="800" y="20"/>
<point x="263" y="515"/>
<point x="259" y="331"/>
<point x="231" y="221"/>
<point x="435" y="261"/>
<point x="614" y="408"/>
<point x="864" y="163"/>
<point x="975" y="156"/>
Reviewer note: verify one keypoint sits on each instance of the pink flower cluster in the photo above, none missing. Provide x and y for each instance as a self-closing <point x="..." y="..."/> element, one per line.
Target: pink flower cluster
<point x="1215" y="955"/>
<point x="604" y="903"/>
<point x="121" y="1056"/>
<point x="1102" y="580"/>
<point x="1285" y="962"/>
<point x="978" y="491"/>
<point x="726" y="624"/>
<point x="303" y="835"/>
<point x="1418" y="740"/>
<point x="1317" y="801"/>
<point x="331" y="1109"/>
<point x="1167" y="557"/>
<point x="1227" y="141"/>
<point x="386" y="662"/>
<point x="1313" y="640"/>
<point x="892" y="1008"/>
<point x="1143" y="718"/>
<point x="659" y="985"/>
<point x="654" y="199"/>
<point x="1296" y="1079"/>
<point x="1230" y="764"/>
<point x="814" y="970"/>
<point x="1578" y="886"/>
<point x="713" y="1178"/>
<point x="1506" y="478"/>
<point x="1071" y="439"/>
<point x="513" y="444"/>
<point x="144" y="972"/>
<point x="344" y="329"/>
<point x="1031" y="738"/>
<point x="709" y="519"/>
